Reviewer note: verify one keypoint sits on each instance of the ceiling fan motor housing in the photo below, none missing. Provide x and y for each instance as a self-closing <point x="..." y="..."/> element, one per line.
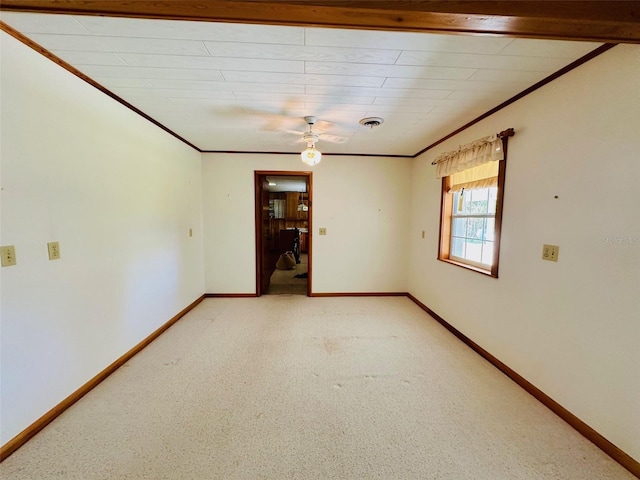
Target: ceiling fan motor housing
<point x="311" y="137"/>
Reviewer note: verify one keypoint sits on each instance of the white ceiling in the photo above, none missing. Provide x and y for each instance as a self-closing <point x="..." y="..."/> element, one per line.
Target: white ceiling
<point x="238" y="87"/>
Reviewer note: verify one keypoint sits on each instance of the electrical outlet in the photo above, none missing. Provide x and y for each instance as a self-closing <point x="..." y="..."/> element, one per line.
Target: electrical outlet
<point x="54" y="250"/>
<point x="550" y="252"/>
<point x="8" y="253"/>
<point x="322" y="231"/>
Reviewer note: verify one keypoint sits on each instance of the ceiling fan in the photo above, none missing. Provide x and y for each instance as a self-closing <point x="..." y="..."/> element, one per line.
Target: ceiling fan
<point x="285" y="118"/>
<point x="314" y="136"/>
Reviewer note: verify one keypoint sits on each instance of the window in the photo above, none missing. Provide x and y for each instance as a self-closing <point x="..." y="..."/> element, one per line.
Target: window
<point x="473" y="226"/>
<point x="472" y="196"/>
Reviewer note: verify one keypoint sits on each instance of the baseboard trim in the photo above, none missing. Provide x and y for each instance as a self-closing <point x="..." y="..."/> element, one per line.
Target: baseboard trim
<point x="596" y="438"/>
<point x="230" y="295"/>
<point x="360" y="294"/>
<point x="329" y="294"/>
<point x="23" y="437"/>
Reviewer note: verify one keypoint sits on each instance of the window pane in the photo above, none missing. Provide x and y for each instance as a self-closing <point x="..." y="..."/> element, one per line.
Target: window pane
<point x="456" y="200"/>
<point x="490" y="229"/>
<point x="475" y="227"/>
<point x="457" y="247"/>
<point x="478" y="201"/>
<point x="473" y="250"/>
<point x="481" y="230"/>
<point x="493" y="199"/>
<point x="487" y="253"/>
<point x="459" y="227"/>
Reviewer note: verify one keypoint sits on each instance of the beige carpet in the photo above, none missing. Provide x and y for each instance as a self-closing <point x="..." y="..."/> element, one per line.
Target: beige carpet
<point x="290" y="387"/>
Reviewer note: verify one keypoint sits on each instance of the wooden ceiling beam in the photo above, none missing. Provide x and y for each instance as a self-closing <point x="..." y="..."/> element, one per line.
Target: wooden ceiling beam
<point x="601" y="21"/>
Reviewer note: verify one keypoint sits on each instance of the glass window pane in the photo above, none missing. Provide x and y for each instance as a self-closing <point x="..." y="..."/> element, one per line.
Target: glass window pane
<point x="487" y="253"/>
<point x="473" y="250"/>
<point x="490" y="229"/>
<point x="474" y="228"/>
<point x="459" y="227"/>
<point x="479" y="228"/>
<point x="493" y="198"/>
<point x="456" y="200"/>
<point x="479" y="200"/>
<point x="457" y="247"/>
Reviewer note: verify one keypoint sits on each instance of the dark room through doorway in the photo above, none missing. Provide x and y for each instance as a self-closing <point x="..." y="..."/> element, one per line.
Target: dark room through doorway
<point x="283" y="232"/>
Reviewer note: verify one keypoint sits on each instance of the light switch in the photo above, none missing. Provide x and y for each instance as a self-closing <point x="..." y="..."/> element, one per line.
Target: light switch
<point x="322" y="231"/>
<point x="191" y="232"/>
<point x="8" y="253"/>
<point x="550" y="252"/>
<point x="54" y="250"/>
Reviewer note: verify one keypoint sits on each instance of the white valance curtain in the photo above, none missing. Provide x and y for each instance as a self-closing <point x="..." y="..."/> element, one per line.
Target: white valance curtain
<point x="474" y="154"/>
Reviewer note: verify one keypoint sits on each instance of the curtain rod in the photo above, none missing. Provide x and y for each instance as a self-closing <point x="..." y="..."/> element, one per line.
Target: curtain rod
<point x="509" y="132"/>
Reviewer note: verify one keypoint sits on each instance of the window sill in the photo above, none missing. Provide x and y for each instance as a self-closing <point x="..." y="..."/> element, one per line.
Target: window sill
<point x="483" y="271"/>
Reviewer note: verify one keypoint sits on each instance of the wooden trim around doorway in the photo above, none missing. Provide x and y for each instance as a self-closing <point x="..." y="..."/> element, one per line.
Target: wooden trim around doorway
<point x="258" y="175"/>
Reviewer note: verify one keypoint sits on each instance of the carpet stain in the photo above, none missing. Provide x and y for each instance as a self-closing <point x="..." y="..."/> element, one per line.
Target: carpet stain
<point x="330" y="345"/>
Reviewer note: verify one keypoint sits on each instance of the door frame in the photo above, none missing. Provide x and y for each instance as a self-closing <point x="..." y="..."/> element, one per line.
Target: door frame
<point x="258" y="176"/>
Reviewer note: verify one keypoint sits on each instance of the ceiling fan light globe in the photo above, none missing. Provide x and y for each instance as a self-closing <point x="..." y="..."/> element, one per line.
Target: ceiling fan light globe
<point x="311" y="156"/>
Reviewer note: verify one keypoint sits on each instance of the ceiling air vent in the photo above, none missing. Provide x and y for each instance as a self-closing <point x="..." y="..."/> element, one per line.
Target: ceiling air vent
<point x="371" y="122"/>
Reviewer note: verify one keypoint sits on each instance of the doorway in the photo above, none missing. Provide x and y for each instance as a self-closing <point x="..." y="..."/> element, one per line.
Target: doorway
<point x="283" y="232"/>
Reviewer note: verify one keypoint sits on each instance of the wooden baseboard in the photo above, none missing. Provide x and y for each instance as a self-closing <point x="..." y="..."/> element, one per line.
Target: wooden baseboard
<point x="230" y="295"/>
<point x="330" y="294"/>
<point x="360" y="294"/>
<point x="24" y="436"/>
<point x="601" y="442"/>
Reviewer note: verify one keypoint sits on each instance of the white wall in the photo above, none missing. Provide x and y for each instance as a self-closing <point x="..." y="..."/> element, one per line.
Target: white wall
<point x="362" y="202"/>
<point x="571" y="328"/>
<point x="119" y="194"/>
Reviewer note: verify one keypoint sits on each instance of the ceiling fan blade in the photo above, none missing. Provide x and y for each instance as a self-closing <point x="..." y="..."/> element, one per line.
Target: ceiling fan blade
<point x="294" y="132"/>
<point x="274" y="123"/>
<point x="333" y="138"/>
<point x="270" y="121"/>
<point x="323" y="126"/>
